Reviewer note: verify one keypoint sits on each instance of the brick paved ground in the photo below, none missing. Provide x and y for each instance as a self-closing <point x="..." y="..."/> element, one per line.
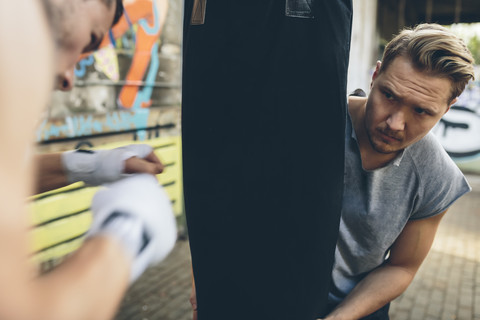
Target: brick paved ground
<point x="162" y="292"/>
<point x="447" y="286"/>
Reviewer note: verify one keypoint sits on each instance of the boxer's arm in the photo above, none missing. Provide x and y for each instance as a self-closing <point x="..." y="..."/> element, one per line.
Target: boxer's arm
<point x="57" y="170"/>
<point x="90" y="284"/>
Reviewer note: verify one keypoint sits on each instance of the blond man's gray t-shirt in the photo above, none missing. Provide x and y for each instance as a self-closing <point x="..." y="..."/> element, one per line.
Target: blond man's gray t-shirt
<point x="421" y="182"/>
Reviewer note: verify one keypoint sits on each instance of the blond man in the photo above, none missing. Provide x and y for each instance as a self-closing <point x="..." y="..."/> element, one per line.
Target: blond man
<point x="399" y="181"/>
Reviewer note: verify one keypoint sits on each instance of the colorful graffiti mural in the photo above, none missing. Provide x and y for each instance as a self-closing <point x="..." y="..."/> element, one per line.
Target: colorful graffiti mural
<point x="459" y="129"/>
<point x="118" y="80"/>
<point x="141" y="24"/>
<point x="85" y="125"/>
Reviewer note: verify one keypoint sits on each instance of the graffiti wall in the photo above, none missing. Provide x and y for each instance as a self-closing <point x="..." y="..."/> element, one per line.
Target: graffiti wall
<point x="459" y="129"/>
<point x="131" y="83"/>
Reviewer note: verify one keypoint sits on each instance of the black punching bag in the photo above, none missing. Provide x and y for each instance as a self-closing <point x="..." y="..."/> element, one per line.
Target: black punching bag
<point x="264" y="103"/>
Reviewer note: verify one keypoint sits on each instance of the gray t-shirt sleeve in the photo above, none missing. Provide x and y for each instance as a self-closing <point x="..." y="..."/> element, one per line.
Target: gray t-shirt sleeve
<point x="441" y="183"/>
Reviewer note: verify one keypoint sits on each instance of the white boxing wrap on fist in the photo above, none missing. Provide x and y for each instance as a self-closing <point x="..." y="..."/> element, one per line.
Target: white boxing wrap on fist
<point x="138" y="213"/>
<point x="95" y="167"/>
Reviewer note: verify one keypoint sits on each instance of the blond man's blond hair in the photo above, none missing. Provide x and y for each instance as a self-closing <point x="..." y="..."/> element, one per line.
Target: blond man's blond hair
<point x="435" y="50"/>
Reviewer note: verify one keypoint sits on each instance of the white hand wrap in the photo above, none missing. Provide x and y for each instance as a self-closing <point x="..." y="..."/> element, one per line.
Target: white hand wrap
<point x="95" y="167"/>
<point x="137" y="212"/>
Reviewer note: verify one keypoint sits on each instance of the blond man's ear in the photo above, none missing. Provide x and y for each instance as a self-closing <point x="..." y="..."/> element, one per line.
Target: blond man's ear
<point x="376" y="72"/>
<point x="451" y="104"/>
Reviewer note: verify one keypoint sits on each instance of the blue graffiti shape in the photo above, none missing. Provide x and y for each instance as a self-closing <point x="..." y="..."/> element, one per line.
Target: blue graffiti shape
<point x="81" y="67"/>
<point x="156" y="23"/>
<point x="85" y="125"/>
<point x="137" y="119"/>
<point x="112" y="38"/>
<point x="145" y="94"/>
<point x="125" y="120"/>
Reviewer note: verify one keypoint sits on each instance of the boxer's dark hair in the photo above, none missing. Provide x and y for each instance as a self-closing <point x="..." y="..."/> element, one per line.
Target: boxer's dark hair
<point x="118" y="9"/>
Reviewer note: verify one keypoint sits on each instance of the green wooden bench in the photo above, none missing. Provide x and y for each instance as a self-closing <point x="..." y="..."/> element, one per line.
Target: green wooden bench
<point x="61" y="217"/>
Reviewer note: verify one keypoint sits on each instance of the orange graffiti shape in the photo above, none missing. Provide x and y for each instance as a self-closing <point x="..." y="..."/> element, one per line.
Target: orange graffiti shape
<point x="137" y="10"/>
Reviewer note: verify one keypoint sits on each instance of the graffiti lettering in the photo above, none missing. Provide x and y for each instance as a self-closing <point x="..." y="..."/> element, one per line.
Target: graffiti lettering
<point x="145" y="20"/>
<point x="453" y="125"/>
<point x="86" y="125"/>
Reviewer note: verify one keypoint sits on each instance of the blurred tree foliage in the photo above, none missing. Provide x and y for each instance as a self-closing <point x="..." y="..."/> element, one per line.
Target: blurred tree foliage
<point x="474" y="47"/>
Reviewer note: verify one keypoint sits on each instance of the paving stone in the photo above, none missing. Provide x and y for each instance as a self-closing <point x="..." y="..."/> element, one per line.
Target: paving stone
<point x="448" y="316"/>
<point x="464" y="313"/>
<point x="401" y="315"/>
<point x="450" y="308"/>
<point x="422" y="299"/>
<point x="454" y="266"/>
<point x="162" y="290"/>
<point x="434" y="311"/>
<point x="476" y="305"/>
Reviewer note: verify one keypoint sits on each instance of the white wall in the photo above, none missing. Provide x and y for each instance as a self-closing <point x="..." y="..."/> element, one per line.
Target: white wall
<point x="364" y="44"/>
